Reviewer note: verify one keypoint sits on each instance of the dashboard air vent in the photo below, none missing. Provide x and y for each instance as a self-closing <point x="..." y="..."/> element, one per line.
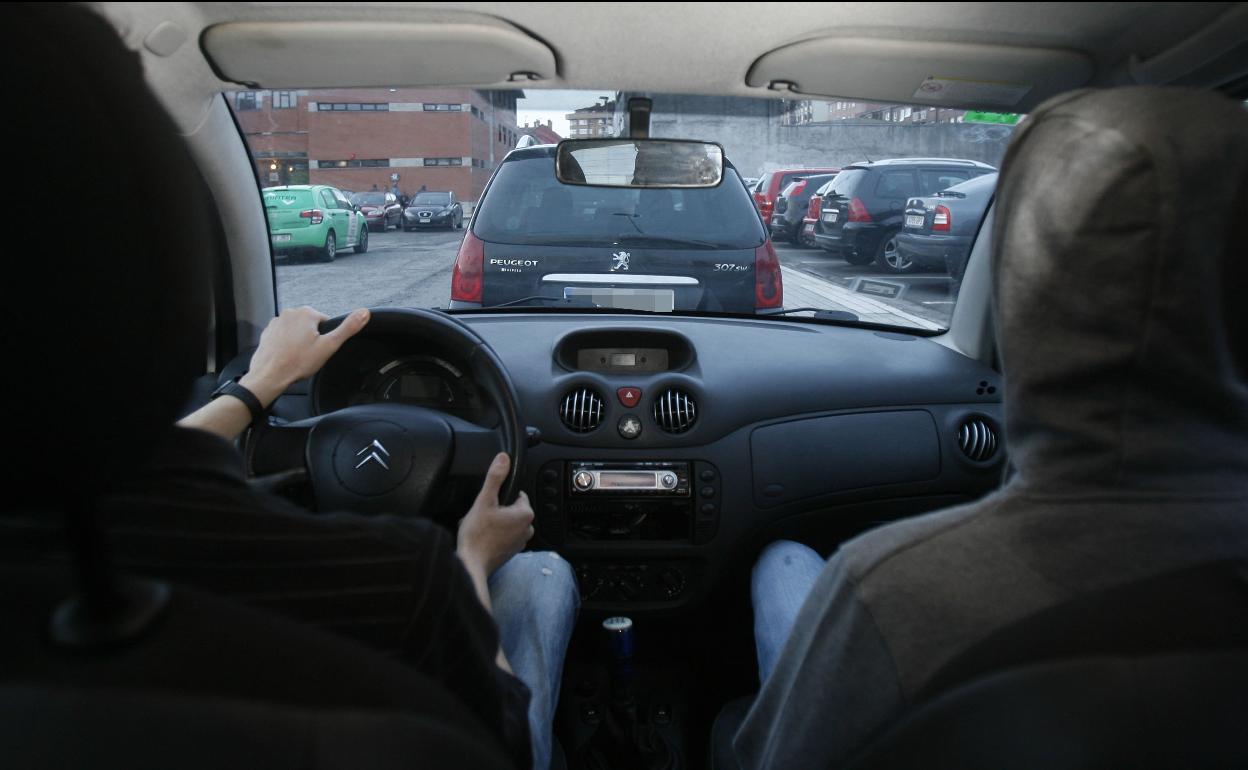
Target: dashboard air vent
<point x="977" y="439"/>
<point x="581" y="410"/>
<point x="675" y="411"/>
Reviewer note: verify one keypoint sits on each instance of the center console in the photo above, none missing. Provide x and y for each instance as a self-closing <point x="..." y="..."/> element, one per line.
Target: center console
<point x="587" y="503"/>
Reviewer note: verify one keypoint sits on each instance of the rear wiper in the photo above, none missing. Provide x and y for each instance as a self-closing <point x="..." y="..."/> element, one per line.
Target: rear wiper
<point x="679" y="241"/>
<point x="820" y="313"/>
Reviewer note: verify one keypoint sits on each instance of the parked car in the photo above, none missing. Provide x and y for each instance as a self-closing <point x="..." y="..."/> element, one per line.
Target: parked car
<point x="940" y="230"/>
<point x="863" y="209"/>
<point x="773" y="182"/>
<point x="314" y="219"/>
<point x="381" y="209"/>
<point x="811" y="218"/>
<point x="790" y="208"/>
<point x="434" y="209"/>
<point x="537" y="241"/>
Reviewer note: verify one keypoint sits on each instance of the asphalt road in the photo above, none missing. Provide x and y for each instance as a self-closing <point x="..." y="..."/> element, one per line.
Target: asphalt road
<point x="414" y="270"/>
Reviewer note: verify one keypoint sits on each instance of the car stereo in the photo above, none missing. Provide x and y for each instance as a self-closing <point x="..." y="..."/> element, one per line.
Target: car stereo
<point x="674" y="500"/>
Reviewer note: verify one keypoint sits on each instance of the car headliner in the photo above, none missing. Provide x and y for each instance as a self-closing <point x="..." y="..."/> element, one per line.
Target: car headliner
<point x="652" y="49"/>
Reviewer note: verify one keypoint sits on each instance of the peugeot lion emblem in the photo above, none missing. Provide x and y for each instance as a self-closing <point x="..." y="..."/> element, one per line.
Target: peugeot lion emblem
<point x="620" y="261"/>
<point x="373" y="449"/>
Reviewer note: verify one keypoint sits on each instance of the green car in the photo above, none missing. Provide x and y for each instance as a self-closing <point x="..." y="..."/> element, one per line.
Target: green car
<point x="316" y="219"/>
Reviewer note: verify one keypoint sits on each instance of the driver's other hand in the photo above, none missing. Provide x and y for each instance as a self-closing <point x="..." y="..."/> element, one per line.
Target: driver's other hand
<point x="492" y="533"/>
<point x="292" y="348"/>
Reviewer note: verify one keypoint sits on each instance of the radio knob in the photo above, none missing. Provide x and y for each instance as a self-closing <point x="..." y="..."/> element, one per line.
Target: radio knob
<point x="668" y="480"/>
<point x="583" y="481"/>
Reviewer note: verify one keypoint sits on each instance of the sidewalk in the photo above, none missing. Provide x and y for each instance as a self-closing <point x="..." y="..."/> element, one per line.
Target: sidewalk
<point x="804" y="290"/>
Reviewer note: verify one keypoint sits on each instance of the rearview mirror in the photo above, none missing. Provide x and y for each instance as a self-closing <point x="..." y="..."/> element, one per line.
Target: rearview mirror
<point x="639" y="163"/>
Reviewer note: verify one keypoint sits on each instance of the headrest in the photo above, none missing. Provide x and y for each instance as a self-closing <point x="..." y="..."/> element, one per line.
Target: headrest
<point x="105" y="305"/>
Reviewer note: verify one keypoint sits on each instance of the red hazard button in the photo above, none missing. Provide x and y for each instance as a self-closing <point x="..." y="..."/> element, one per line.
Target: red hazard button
<point x="629" y="396"/>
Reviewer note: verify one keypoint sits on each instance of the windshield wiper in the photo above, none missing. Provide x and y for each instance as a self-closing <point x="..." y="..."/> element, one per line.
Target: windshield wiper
<point x="820" y="313"/>
<point x="678" y="241"/>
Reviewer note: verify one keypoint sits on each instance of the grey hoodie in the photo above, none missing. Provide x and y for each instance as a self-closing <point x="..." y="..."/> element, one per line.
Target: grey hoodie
<point x="1122" y="220"/>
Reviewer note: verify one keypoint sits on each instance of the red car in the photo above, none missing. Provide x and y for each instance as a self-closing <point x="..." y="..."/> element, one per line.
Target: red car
<point x="382" y="209"/>
<point x="775" y="181"/>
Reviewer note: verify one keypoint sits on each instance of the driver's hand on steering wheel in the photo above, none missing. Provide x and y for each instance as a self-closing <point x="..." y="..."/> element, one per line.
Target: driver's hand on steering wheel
<point x="492" y="533"/>
<point x="292" y="348"/>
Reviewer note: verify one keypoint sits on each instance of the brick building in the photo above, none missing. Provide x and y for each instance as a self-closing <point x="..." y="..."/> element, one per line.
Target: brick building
<point x="443" y="139"/>
<point x="544" y="133"/>
<point x="598" y="120"/>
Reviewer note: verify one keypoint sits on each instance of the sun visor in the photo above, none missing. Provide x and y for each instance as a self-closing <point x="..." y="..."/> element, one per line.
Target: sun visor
<point x="961" y="75"/>
<point x="340" y="54"/>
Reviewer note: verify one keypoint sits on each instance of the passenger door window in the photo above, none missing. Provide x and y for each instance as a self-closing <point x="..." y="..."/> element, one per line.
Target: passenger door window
<point x="931" y="181"/>
<point x="895" y="185"/>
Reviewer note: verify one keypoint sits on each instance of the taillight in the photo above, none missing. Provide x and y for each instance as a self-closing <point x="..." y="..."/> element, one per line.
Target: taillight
<point x="316" y="215"/>
<point x="942" y="220"/>
<point x="858" y="211"/>
<point x="466" y="277"/>
<point x="812" y="210"/>
<point x="768" y="286"/>
<point x="765" y="208"/>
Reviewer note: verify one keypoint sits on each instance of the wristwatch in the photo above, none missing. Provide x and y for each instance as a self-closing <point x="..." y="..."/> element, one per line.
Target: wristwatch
<point x="232" y="388"/>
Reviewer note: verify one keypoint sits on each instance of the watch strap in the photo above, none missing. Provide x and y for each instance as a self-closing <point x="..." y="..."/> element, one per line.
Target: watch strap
<point x="232" y="388"/>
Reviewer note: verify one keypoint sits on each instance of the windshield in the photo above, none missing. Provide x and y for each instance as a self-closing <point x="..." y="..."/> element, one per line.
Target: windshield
<point x="432" y="199"/>
<point x="859" y="253"/>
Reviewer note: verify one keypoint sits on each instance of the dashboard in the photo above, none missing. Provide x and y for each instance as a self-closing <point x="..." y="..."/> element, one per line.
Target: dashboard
<point x="672" y="449"/>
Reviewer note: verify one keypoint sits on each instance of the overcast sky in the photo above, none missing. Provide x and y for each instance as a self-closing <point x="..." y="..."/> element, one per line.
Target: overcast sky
<point x="543" y="105"/>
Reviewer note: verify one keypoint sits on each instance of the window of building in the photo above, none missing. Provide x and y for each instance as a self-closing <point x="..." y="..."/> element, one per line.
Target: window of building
<point x="356" y="163"/>
<point x="285" y="100"/>
<point x="352" y="107"/>
<point x="428" y="107"/>
<point x="246" y="100"/>
<point x="444" y="161"/>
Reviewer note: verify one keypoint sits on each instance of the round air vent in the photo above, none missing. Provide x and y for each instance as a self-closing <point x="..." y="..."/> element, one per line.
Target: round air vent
<point x="675" y="411"/>
<point x="581" y="410"/>
<point x="977" y="439"/>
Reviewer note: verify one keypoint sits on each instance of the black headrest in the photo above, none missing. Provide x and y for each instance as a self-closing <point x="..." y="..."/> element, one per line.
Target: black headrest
<point x="105" y="304"/>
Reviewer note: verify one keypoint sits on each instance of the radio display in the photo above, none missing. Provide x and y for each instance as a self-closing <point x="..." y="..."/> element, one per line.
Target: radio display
<point x="623" y="359"/>
<point x="626" y="480"/>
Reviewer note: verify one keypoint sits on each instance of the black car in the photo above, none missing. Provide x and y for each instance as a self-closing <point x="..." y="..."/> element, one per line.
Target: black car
<point x="940" y="230"/>
<point x="433" y="209"/>
<point x="790" y="209"/>
<point x="534" y="240"/>
<point x="382" y="209"/>
<point x="864" y="209"/>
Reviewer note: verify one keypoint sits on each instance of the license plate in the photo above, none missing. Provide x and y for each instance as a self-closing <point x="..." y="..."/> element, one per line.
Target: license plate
<point x="283" y="238"/>
<point x="914" y="220"/>
<point x="653" y="300"/>
<point x="809" y="228"/>
<point x="425" y="221"/>
<point x="830" y="216"/>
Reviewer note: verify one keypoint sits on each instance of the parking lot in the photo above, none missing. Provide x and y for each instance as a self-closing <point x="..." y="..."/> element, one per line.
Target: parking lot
<point x="414" y="270"/>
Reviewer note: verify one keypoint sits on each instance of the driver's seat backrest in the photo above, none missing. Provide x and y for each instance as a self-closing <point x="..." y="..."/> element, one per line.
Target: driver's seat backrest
<point x="215" y="685"/>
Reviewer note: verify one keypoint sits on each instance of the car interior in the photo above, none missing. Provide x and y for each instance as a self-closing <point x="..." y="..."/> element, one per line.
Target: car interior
<point x="752" y="429"/>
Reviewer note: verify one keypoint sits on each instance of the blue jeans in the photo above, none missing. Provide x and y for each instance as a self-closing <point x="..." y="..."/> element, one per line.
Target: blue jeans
<point x="783" y="576"/>
<point x="535" y="604"/>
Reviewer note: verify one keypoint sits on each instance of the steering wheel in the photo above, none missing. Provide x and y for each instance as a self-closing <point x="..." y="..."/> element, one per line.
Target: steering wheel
<point x="390" y="458"/>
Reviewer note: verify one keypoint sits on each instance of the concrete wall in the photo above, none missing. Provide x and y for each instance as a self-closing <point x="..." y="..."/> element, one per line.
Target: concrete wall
<point x="755" y="142"/>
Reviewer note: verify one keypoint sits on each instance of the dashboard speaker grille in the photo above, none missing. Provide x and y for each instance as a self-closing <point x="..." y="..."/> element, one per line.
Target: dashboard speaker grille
<point x="675" y="411"/>
<point x="977" y="439"/>
<point x="581" y="410"/>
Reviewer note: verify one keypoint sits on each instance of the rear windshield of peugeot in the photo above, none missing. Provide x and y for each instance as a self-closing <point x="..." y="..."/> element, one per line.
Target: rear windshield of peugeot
<point x="527" y="205"/>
